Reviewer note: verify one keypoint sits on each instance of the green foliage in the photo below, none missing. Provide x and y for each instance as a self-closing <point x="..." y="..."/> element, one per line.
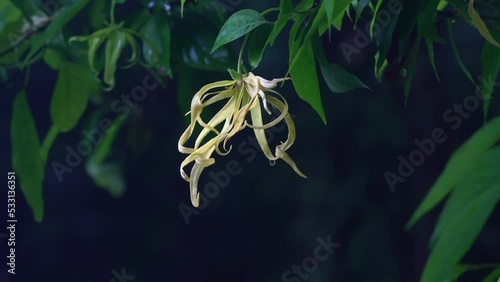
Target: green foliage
<point x="26" y="158"/>
<point x="490" y="66"/>
<point x="481" y="25"/>
<point x="339" y="80"/>
<point x="460" y="163"/>
<point x="464" y="215"/>
<point x="305" y="80"/>
<point x="66" y="14"/>
<point x="238" y="25"/>
<point x="74" y="85"/>
<point x="107" y="175"/>
<point x="156" y="46"/>
<point x="257" y="44"/>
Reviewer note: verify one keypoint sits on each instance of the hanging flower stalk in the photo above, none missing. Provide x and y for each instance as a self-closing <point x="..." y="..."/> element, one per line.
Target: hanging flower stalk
<point x="116" y="37"/>
<point x="244" y="94"/>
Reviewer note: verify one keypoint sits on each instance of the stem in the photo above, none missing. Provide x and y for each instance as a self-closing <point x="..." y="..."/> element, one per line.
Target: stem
<point x="276" y="9"/>
<point x="48" y="141"/>
<point x="240" y="57"/>
<point x="112" y="12"/>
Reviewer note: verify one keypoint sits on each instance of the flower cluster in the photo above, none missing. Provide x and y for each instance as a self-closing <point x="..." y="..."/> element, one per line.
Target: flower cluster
<point x="247" y="93"/>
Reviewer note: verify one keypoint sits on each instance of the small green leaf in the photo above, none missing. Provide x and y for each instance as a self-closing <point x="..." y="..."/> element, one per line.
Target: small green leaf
<point x="490" y="66"/>
<point x="305" y="80"/>
<point x="239" y="24"/>
<point x="183" y="2"/>
<point x="373" y="21"/>
<point x="157" y="33"/>
<point x="27" y="7"/>
<point x="67" y="13"/>
<point x="257" y="44"/>
<point x="430" y="50"/>
<point x="458" y="57"/>
<point x="304" y="5"/>
<point x="462" y="268"/>
<point x="480" y="25"/>
<point x="108" y="176"/>
<point x="362" y="4"/>
<point x="493" y="276"/>
<point x="426" y="18"/>
<point x="286" y="8"/>
<point x="458" y="165"/>
<point x="26" y="159"/>
<point x="293" y="42"/>
<point x="8" y="13"/>
<point x="457" y="237"/>
<point x="71" y="94"/>
<point x="341" y="7"/>
<point x="329" y="9"/>
<point x="52" y="58"/>
<point x="339" y="80"/>
<point x="411" y="65"/>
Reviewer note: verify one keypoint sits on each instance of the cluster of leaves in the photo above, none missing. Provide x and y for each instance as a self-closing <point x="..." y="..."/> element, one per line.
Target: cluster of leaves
<point x="471" y="178"/>
<point x="31" y="34"/>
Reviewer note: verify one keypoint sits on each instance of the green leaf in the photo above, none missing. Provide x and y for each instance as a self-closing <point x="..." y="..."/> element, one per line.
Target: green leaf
<point x="27" y="7"/>
<point x="480" y="25"/>
<point x="305" y="80"/>
<point x="457" y="237"/>
<point x="257" y="44"/>
<point x="339" y="10"/>
<point x="66" y="14"/>
<point x="157" y="33"/>
<point x="493" y="276"/>
<point x="426" y="18"/>
<point x="430" y="50"/>
<point x="286" y="8"/>
<point x="411" y="65"/>
<point x="98" y="14"/>
<point x="107" y="175"/>
<point x="26" y="159"/>
<point x="8" y="13"/>
<point x="490" y="65"/>
<point x="183" y="2"/>
<point x="478" y="179"/>
<point x="462" y="268"/>
<point x="339" y="80"/>
<point x="304" y="5"/>
<point x="442" y="5"/>
<point x="71" y="94"/>
<point x="373" y="21"/>
<point x="329" y="9"/>
<point x="458" y="165"/>
<point x="52" y="58"/>
<point x="458" y="57"/>
<point x="239" y="24"/>
<point x="293" y="42"/>
<point x="362" y="4"/>
<point x="341" y="7"/>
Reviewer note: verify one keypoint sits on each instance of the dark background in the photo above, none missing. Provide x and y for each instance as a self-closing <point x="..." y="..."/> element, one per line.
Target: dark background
<point x="268" y="218"/>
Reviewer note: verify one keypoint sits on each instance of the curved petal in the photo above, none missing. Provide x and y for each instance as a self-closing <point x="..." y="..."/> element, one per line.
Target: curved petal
<point x="260" y="134"/>
<point x="277" y="120"/>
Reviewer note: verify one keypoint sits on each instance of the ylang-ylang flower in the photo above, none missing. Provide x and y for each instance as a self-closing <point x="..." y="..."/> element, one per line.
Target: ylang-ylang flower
<point x="245" y="94"/>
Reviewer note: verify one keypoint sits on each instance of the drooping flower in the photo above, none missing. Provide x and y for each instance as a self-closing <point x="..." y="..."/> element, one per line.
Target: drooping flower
<point x="116" y="38"/>
<point x="244" y="94"/>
